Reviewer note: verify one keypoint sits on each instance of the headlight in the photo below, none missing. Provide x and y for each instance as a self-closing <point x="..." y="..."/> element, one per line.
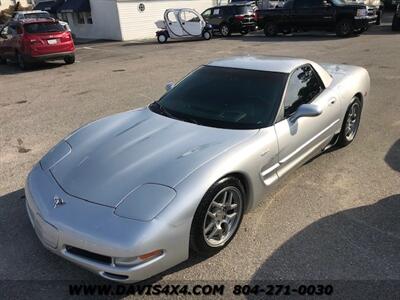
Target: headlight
<point x="146" y="202"/>
<point x="362" y="12"/>
<point x="55" y="155"/>
<point x="137" y="260"/>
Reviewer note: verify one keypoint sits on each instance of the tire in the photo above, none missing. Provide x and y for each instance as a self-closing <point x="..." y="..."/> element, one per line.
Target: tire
<point x="344" y="137"/>
<point x="212" y="217"/>
<point x="162" y="38"/>
<point x="396" y="23"/>
<point x="207" y="35"/>
<point x="379" y="18"/>
<point x="224" y="30"/>
<point x="344" y="28"/>
<point x="270" y="29"/>
<point x="22" y="64"/>
<point x="70" y="59"/>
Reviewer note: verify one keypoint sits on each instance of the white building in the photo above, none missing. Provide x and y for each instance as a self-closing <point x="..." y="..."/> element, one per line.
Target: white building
<point x="116" y="19"/>
<point x="4" y="4"/>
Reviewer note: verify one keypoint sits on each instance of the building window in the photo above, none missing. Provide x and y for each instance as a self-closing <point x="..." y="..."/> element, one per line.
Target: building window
<point x="89" y="18"/>
<point x="80" y="17"/>
<point x="64" y="17"/>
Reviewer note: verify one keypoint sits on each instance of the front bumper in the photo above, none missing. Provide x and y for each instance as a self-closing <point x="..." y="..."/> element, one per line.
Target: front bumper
<point x="361" y="22"/>
<point x="96" y="229"/>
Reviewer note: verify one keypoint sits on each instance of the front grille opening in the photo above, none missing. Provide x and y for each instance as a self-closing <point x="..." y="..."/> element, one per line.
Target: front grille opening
<point x="89" y="255"/>
<point x="115" y="276"/>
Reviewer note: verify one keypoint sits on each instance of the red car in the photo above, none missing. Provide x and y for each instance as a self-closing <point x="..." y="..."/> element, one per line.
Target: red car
<point x="33" y="40"/>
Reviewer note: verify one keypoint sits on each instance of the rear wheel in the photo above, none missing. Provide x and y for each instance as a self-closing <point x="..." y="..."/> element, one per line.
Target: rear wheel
<point x="344" y="28"/>
<point x="396" y="23"/>
<point x="22" y="64"/>
<point x="351" y="123"/>
<point x="162" y="38"/>
<point x="379" y="18"/>
<point x="207" y="35"/>
<point x="225" y="30"/>
<point x="270" y="29"/>
<point x="70" y="59"/>
<point x="217" y="217"/>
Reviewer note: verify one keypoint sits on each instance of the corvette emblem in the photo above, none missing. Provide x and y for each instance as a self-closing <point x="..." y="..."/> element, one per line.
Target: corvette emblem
<point x="58" y="201"/>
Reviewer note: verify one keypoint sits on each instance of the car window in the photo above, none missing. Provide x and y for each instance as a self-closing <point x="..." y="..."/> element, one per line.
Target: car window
<point x="302" y="3"/>
<point x="12" y="29"/>
<point x="225" y="98"/>
<point x="43" y="27"/>
<point x="303" y="86"/>
<point x="171" y="16"/>
<point x="4" y="30"/>
<point x="189" y="16"/>
<point x="36" y="15"/>
<point x="288" y="4"/>
<point x="206" y="13"/>
<point x="216" y="12"/>
<point x="244" y="10"/>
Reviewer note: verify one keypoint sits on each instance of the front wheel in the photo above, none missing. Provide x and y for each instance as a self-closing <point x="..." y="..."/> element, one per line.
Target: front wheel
<point x="70" y="59"/>
<point x="270" y="29"/>
<point x="225" y="30"/>
<point x="344" y="28"/>
<point x="396" y="23"/>
<point x="351" y="123"/>
<point x="217" y="217"/>
<point x="207" y="35"/>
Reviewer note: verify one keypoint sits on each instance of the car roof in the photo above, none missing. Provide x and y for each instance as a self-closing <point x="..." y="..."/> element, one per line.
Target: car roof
<point x="278" y="64"/>
<point x="30" y="11"/>
<point x="230" y="5"/>
<point x="261" y="63"/>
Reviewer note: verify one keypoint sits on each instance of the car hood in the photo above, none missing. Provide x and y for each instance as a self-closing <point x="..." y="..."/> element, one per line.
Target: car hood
<point x="113" y="156"/>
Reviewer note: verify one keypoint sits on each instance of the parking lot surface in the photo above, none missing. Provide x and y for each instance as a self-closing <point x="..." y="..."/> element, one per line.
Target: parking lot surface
<point x="335" y="218"/>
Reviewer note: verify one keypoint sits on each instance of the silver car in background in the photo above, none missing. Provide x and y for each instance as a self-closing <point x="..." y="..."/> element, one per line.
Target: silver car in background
<point x="131" y="195"/>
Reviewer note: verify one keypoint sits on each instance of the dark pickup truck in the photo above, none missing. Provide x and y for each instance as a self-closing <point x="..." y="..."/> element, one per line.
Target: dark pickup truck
<point x="305" y="15"/>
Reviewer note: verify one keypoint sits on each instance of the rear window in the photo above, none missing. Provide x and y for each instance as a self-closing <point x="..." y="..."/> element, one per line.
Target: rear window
<point x="243" y="10"/>
<point x="43" y="27"/>
<point x="36" y="16"/>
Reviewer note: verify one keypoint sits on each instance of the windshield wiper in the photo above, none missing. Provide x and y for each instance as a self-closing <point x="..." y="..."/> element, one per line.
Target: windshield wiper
<point x="167" y="113"/>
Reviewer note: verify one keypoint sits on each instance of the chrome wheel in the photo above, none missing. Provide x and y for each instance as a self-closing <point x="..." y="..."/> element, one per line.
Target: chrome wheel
<point x="224" y="30"/>
<point x="223" y="216"/>
<point x="352" y="122"/>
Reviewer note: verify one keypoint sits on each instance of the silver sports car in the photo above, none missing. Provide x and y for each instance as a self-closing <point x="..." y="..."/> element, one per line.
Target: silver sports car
<point x="131" y="195"/>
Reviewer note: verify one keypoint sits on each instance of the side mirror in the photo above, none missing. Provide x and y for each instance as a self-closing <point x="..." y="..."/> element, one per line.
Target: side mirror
<point x="305" y="110"/>
<point x="169" y="86"/>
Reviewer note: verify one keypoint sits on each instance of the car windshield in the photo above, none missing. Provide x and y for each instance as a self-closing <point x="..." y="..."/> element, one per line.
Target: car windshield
<point x="225" y="98"/>
<point x="339" y="2"/>
<point x="246" y="9"/>
<point x="44" y="27"/>
<point x="36" y="16"/>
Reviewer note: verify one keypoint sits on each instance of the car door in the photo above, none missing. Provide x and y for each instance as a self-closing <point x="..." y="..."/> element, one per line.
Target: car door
<point x="300" y="139"/>
<point x="302" y="14"/>
<point x="191" y="23"/>
<point x="216" y="17"/>
<point x="173" y="26"/>
<point x="322" y="13"/>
